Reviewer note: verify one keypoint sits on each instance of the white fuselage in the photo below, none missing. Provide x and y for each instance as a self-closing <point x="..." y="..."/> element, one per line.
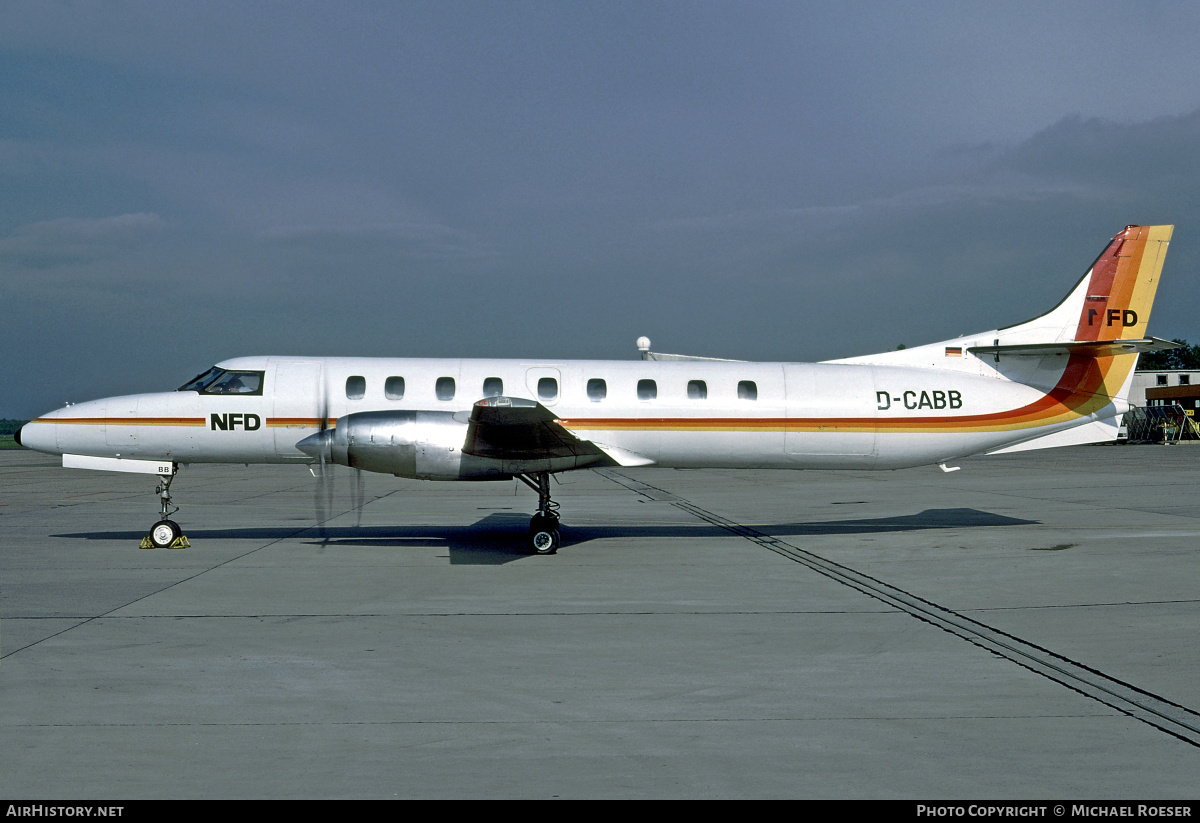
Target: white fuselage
<point x="685" y="414"/>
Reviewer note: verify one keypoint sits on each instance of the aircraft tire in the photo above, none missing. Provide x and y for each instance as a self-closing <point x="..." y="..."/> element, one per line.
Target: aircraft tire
<point x="543" y="536"/>
<point x="164" y="533"/>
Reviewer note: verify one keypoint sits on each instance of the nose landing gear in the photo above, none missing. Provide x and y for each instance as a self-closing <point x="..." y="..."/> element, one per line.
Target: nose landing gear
<point x="543" y="526"/>
<point x="166" y="534"/>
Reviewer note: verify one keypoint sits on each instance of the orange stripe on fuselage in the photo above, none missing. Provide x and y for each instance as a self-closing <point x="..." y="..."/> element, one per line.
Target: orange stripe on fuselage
<point x="1079" y="392"/>
<point x="124" y="421"/>
<point x="283" y="422"/>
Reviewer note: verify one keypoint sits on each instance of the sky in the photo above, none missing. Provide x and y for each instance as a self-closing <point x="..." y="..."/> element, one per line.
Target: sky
<point x="182" y="183"/>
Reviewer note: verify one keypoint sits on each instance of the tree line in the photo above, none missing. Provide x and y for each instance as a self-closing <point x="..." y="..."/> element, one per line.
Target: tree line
<point x="1186" y="358"/>
<point x="10" y="427"/>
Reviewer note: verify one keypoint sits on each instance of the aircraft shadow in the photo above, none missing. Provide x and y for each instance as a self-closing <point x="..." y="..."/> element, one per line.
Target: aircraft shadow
<point x="500" y="537"/>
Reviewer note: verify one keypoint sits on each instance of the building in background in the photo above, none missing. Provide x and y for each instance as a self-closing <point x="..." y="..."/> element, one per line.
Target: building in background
<point x="1160" y="387"/>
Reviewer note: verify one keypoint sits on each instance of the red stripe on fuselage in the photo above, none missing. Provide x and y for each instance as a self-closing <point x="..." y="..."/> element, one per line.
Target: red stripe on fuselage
<point x="1077" y="394"/>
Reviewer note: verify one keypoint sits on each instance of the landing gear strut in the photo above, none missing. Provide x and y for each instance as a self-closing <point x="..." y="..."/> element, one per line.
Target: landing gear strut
<point x="543" y="526"/>
<point x="166" y="534"/>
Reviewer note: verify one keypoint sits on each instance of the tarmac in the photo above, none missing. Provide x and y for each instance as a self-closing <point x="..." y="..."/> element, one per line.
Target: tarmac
<point x="1025" y="628"/>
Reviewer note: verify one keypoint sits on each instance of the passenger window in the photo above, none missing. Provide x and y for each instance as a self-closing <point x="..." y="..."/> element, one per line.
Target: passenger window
<point x="1162" y="379"/>
<point x="747" y="390"/>
<point x="597" y="389"/>
<point x="697" y="390"/>
<point x="393" y="388"/>
<point x="1185" y="380"/>
<point x="547" y="388"/>
<point x="445" y="388"/>
<point x="493" y="387"/>
<point x="647" y="390"/>
<point x="356" y="387"/>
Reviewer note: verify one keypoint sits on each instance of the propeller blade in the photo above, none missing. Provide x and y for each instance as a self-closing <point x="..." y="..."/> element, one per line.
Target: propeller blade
<point x="320" y="447"/>
<point x="359" y="493"/>
<point x="323" y="495"/>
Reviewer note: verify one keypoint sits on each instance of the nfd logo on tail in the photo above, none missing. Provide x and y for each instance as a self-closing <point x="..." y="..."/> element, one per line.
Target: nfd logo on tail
<point x="1116" y="317"/>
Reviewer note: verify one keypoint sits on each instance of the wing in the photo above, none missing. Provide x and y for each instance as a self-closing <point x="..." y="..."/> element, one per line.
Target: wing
<point x="517" y="429"/>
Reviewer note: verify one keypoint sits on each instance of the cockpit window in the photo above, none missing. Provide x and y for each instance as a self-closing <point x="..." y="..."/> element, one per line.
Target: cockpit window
<point x="220" y="381"/>
<point x="236" y="382"/>
<point x="198" y="382"/>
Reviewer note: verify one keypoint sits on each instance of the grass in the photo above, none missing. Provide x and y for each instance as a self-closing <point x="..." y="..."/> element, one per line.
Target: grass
<point x="7" y="429"/>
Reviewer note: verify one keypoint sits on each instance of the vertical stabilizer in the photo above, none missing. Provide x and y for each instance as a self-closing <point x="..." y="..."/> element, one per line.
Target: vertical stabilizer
<point x="1111" y="302"/>
<point x="1114" y="298"/>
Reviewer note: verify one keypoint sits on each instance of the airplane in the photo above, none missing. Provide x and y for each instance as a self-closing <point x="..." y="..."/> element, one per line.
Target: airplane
<point x="1060" y="379"/>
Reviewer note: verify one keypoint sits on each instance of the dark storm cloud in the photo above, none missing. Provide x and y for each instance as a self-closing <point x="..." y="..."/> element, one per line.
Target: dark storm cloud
<point x="760" y="180"/>
<point x="998" y="243"/>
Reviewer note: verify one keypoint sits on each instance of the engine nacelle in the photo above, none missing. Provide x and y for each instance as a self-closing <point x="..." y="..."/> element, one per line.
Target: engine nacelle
<point x="500" y="438"/>
<point x="426" y="445"/>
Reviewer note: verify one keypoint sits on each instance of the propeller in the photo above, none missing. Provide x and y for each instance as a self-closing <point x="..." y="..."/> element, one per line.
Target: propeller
<point x="320" y="447"/>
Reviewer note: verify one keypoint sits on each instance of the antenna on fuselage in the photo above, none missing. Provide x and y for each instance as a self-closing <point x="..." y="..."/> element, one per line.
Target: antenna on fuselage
<point x="643" y="344"/>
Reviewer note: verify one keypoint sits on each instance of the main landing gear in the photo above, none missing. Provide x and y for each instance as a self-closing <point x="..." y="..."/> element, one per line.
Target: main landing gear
<point x="166" y="534"/>
<point x="543" y="526"/>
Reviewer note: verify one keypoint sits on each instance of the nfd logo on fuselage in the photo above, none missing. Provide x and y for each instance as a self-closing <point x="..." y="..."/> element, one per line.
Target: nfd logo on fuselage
<point x="231" y="422"/>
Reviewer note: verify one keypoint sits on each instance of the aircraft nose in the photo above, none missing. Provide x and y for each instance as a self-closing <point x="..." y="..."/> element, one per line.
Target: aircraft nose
<point x="77" y="428"/>
<point x="40" y="434"/>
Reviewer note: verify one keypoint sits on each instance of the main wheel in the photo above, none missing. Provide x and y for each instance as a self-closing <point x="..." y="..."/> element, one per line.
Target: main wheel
<point x="164" y="533"/>
<point x="543" y="534"/>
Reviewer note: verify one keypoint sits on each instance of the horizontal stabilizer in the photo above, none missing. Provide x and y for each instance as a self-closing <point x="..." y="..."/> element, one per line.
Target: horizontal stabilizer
<point x="1090" y="348"/>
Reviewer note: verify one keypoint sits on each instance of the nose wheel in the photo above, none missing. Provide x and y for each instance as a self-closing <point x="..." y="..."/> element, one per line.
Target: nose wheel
<point x="166" y="534"/>
<point x="543" y="526"/>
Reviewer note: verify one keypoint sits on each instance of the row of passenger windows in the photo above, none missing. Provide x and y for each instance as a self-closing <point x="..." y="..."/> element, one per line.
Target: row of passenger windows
<point x="547" y="389"/>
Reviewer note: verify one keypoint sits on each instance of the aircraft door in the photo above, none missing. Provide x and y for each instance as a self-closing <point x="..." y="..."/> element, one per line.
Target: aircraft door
<point x="298" y="391"/>
<point x="831" y="410"/>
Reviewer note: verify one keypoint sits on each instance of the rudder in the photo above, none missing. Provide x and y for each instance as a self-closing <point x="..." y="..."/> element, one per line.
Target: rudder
<point x="1119" y="291"/>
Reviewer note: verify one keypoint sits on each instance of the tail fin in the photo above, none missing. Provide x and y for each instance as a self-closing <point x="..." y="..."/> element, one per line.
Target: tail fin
<point x="1112" y="301"/>
<point x="1105" y="315"/>
<point x="1080" y="355"/>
